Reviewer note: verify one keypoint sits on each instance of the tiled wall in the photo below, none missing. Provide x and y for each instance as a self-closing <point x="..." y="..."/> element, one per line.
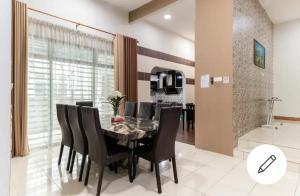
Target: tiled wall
<point x="161" y="95"/>
<point x="251" y="84"/>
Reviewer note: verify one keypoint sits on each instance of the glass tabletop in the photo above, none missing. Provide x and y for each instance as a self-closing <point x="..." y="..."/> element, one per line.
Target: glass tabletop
<point x="130" y="129"/>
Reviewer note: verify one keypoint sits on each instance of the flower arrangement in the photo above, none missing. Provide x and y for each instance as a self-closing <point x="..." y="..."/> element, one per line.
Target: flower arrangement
<point x="115" y="100"/>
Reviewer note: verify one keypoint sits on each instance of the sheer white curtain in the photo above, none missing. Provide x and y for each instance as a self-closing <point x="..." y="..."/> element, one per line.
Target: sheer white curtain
<point x="65" y="66"/>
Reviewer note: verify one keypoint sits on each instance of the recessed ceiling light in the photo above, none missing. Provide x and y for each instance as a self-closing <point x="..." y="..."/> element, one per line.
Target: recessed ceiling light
<point x="167" y="16"/>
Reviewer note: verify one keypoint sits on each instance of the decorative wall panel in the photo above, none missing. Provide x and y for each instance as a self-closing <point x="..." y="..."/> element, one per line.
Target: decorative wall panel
<point x="251" y="84"/>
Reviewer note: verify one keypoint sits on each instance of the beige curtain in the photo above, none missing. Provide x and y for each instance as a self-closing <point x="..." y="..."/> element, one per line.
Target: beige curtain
<point x="126" y="67"/>
<point x="119" y="63"/>
<point x="130" y="62"/>
<point x="19" y="80"/>
<point x="119" y="67"/>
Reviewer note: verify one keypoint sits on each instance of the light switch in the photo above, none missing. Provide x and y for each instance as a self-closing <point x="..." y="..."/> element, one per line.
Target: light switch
<point x="218" y="79"/>
<point x="226" y="80"/>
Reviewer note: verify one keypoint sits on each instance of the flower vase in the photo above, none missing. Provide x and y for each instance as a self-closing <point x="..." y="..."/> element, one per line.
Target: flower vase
<point x="116" y="111"/>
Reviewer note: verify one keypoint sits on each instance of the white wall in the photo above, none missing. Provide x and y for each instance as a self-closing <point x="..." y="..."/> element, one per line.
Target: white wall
<point x="287" y="68"/>
<point x="104" y="16"/>
<point x="5" y="67"/>
<point x="99" y="14"/>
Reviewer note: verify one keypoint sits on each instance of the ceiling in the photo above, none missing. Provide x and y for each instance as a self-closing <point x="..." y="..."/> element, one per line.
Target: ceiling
<point x="183" y="18"/>
<point x="127" y="5"/>
<point x="182" y="11"/>
<point x="282" y="10"/>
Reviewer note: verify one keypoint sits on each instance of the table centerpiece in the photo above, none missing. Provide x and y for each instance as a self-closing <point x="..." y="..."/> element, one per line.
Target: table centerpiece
<point x="116" y="100"/>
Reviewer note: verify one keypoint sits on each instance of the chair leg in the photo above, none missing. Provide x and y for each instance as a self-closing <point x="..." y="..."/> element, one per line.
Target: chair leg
<point x="151" y="166"/>
<point x="175" y="170"/>
<point x="60" y="153"/>
<point x="82" y="167"/>
<point x="101" y="171"/>
<point x="111" y="167"/>
<point x="88" y="172"/>
<point x="158" y="177"/>
<point x="183" y="119"/>
<point x="130" y="167"/>
<point x="116" y="167"/>
<point x="136" y="144"/>
<point x="69" y="159"/>
<point x="134" y="163"/>
<point x="72" y="162"/>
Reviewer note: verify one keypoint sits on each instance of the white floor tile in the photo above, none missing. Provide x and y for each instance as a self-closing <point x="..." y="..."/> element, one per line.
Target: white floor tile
<point x="238" y="154"/>
<point x="208" y="175"/>
<point x="200" y="173"/>
<point x="236" y="182"/>
<point x="286" y="186"/>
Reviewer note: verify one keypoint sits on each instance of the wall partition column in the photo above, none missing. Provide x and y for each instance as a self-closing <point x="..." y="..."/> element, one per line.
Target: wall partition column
<point x="214" y="54"/>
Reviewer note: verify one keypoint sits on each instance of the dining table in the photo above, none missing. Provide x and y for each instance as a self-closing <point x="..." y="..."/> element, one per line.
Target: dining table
<point x="129" y="131"/>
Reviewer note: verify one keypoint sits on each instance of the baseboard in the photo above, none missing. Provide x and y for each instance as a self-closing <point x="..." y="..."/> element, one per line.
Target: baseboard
<point x="286" y="118"/>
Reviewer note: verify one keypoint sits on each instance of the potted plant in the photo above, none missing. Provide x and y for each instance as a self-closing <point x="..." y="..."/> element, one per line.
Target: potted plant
<point x="115" y="100"/>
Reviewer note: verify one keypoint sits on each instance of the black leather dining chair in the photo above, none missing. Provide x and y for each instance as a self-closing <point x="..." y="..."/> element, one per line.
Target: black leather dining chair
<point x="85" y="103"/>
<point x="130" y="109"/>
<point x="163" y="146"/>
<point x="80" y="139"/>
<point x="101" y="152"/>
<point x="190" y="115"/>
<point x="158" y="108"/>
<point x="67" y="136"/>
<point x="146" y="110"/>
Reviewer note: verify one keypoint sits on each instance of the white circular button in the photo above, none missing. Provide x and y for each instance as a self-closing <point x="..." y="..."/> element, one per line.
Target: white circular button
<point x="266" y="164"/>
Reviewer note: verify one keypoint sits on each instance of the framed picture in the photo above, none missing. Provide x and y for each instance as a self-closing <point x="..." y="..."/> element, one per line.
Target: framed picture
<point x="259" y="55"/>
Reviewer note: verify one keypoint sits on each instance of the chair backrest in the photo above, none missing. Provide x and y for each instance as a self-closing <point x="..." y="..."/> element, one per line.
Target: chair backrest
<point x="146" y="110"/>
<point x="75" y="120"/>
<point x="130" y="109"/>
<point x="190" y="106"/>
<point x="66" y="132"/>
<point x="164" y="143"/>
<point x="94" y="133"/>
<point x="85" y="103"/>
<point x="158" y="108"/>
<point x="190" y="113"/>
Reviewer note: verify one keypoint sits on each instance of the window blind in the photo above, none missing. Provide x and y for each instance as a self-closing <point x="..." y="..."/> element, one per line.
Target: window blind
<point x="64" y="66"/>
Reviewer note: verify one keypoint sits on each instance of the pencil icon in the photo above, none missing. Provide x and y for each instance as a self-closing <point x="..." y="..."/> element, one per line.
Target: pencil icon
<point x="267" y="164"/>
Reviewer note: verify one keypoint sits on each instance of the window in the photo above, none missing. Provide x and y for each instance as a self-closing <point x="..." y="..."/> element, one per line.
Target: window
<point x="64" y="66"/>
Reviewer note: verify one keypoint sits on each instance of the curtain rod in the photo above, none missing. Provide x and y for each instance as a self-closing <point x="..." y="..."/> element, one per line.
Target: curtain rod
<point x="71" y="21"/>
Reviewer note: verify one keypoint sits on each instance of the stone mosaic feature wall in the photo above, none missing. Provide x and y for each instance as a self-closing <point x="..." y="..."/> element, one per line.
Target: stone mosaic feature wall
<point x="251" y="84"/>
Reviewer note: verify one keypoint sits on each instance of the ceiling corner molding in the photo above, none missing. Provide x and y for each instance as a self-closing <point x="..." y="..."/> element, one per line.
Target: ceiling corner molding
<point x="148" y="8"/>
